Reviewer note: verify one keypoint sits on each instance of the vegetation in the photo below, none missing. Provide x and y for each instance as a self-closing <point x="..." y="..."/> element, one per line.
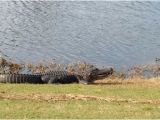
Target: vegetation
<point x="109" y="98"/>
<point x="122" y="95"/>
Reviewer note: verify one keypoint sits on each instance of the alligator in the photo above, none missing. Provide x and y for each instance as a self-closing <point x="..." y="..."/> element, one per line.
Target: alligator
<point x="56" y="77"/>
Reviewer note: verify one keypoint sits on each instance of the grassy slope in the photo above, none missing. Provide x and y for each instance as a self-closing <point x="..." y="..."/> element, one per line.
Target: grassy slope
<point x="81" y="108"/>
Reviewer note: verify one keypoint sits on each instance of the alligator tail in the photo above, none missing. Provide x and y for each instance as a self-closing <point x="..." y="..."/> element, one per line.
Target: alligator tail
<point x="20" y="78"/>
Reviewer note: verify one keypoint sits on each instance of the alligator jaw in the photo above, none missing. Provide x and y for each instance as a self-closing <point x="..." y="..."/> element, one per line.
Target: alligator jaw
<point x="102" y="73"/>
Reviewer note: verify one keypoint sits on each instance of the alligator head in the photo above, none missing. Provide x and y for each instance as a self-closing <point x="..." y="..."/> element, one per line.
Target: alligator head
<point x="96" y="74"/>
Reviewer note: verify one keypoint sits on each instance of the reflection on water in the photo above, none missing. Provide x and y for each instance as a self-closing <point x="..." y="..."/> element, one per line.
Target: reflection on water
<point x="112" y="33"/>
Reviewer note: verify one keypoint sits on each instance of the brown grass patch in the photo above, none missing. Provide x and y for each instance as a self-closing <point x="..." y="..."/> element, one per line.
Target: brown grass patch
<point x="67" y="97"/>
<point x="150" y="82"/>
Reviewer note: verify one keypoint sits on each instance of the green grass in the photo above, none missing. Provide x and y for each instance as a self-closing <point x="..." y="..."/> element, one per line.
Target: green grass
<point x="89" y="108"/>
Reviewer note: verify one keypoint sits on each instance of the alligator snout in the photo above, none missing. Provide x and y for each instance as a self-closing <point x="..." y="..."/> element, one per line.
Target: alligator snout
<point x="105" y="72"/>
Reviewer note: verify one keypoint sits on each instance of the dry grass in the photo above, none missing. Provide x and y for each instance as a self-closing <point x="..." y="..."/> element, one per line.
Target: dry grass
<point x="112" y="80"/>
<point x="69" y="97"/>
<point x="12" y="66"/>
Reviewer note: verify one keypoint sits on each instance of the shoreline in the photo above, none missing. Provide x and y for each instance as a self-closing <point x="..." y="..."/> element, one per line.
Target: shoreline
<point x="146" y="71"/>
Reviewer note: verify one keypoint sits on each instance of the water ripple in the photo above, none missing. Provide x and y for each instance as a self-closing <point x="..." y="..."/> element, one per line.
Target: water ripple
<point x="114" y="33"/>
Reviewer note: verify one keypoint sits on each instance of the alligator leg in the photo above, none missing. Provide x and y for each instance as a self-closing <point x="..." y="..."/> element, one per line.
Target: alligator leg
<point x="84" y="82"/>
<point x="53" y="80"/>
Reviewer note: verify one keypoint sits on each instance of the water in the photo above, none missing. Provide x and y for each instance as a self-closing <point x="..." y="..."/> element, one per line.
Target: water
<point x="104" y="33"/>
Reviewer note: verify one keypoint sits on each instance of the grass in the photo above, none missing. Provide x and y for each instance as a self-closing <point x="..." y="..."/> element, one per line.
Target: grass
<point x="108" y="98"/>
